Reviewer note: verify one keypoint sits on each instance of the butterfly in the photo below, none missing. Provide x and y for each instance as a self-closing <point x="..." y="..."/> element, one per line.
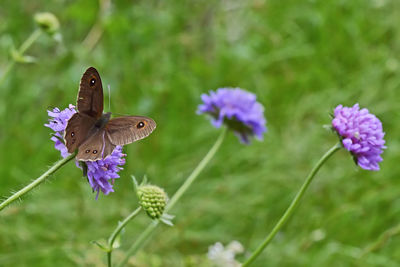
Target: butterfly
<point x="95" y="134"/>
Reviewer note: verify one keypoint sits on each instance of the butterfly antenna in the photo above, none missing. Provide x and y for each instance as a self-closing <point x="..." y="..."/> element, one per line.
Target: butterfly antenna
<point x="109" y="97"/>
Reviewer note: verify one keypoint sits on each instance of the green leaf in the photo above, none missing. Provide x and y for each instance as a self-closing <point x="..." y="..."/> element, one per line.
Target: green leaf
<point x="135" y="183"/>
<point x="167" y="219"/>
<point x="18" y="57"/>
<point x="117" y="241"/>
<point x="101" y="246"/>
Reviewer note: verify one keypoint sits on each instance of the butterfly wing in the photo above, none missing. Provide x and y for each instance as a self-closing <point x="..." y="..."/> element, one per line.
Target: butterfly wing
<point x="96" y="143"/>
<point x="96" y="147"/>
<point x="128" y="129"/>
<point x="77" y="130"/>
<point x="90" y="96"/>
<point x="108" y="146"/>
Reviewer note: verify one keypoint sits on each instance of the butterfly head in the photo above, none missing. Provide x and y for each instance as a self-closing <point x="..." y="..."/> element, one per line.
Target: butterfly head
<point x="100" y="123"/>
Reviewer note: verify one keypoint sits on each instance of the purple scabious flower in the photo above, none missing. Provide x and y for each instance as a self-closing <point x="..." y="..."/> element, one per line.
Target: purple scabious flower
<point x="100" y="173"/>
<point x="238" y="109"/>
<point x="58" y="122"/>
<point x="361" y="133"/>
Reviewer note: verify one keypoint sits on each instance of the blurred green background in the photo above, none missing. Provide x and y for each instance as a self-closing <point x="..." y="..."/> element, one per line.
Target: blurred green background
<point x="301" y="58"/>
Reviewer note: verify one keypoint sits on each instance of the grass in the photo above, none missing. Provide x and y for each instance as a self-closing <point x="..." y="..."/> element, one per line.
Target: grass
<point x="301" y="58"/>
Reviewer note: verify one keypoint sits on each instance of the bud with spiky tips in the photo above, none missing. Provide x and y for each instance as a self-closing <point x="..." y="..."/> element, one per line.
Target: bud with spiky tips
<point x="153" y="200"/>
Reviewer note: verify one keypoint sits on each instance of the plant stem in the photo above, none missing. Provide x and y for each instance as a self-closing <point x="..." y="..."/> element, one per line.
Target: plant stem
<point x="289" y="211"/>
<point x="178" y="194"/>
<point x="382" y="240"/>
<point x="36" y="182"/>
<point x="28" y="42"/>
<point x="97" y="30"/>
<point x="192" y="177"/>
<point x="117" y="231"/>
<point x="140" y="241"/>
<point x="7" y="70"/>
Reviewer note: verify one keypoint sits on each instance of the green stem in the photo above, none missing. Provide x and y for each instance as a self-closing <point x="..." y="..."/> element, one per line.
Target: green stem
<point x="192" y="177"/>
<point x="178" y="194"/>
<point x="95" y="33"/>
<point x="8" y="69"/>
<point x="36" y="182"/>
<point x="140" y="241"/>
<point x="117" y="230"/>
<point x="293" y="205"/>
<point x="382" y="240"/>
<point x="28" y="42"/>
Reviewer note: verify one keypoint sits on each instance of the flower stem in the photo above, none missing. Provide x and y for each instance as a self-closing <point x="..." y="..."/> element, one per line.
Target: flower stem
<point x="140" y="241"/>
<point x="28" y="42"/>
<point x="192" y="177"/>
<point x="7" y="70"/>
<point x="289" y="211"/>
<point x="97" y="29"/>
<point x="117" y="230"/>
<point x="36" y="182"/>
<point x="178" y="194"/>
<point x="383" y="239"/>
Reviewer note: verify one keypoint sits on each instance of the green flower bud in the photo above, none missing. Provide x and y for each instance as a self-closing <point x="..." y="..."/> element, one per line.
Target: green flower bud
<point x="47" y="22"/>
<point x="153" y="200"/>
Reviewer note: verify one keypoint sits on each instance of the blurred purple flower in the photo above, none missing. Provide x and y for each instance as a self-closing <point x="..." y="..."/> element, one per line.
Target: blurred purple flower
<point x="361" y="133"/>
<point x="99" y="172"/>
<point x="238" y="109"/>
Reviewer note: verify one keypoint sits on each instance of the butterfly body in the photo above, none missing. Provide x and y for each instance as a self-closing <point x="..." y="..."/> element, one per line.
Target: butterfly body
<point x="95" y="134"/>
<point x="100" y="123"/>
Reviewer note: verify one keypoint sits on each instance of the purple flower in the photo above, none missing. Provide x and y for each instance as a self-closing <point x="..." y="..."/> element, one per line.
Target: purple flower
<point x="361" y="133"/>
<point x="101" y="173"/>
<point x="58" y="122"/>
<point x="238" y="109"/>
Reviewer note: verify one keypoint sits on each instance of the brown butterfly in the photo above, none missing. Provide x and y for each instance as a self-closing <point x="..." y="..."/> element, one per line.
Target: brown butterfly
<point x="93" y="133"/>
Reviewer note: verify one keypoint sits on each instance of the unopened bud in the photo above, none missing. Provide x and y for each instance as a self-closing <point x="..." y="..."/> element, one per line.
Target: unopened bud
<point x="47" y="22"/>
<point x="153" y="200"/>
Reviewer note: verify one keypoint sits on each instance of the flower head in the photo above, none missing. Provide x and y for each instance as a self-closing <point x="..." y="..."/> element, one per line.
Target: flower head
<point x="153" y="200"/>
<point x="361" y="133"/>
<point x="100" y="173"/>
<point x="58" y="122"/>
<point x="238" y="109"/>
<point x="225" y="256"/>
<point x="47" y="22"/>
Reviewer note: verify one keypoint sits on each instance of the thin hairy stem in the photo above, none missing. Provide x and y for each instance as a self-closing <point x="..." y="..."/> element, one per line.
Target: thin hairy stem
<point x="293" y="205"/>
<point x="116" y="232"/>
<point x="36" y="182"/>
